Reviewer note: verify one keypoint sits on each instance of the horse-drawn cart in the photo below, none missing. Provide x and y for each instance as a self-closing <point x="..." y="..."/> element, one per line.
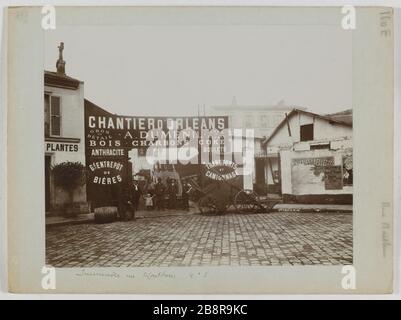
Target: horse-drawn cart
<point x="223" y="191"/>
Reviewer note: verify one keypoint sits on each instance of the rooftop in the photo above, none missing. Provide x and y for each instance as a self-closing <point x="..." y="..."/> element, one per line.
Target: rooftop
<point x="55" y="79"/>
<point x="342" y="116"/>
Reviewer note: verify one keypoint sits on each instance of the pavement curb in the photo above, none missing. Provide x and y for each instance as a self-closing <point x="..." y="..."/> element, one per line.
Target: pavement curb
<point x="311" y="210"/>
<point x="273" y="210"/>
<point x="69" y="222"/>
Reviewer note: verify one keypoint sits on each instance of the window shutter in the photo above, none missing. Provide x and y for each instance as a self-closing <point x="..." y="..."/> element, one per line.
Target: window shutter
<point x="55" y="116"/>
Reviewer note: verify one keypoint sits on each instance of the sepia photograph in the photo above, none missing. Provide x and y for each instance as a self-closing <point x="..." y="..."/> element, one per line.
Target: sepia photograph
<point x="200" y="149"/>
<point x="198" y="146"/>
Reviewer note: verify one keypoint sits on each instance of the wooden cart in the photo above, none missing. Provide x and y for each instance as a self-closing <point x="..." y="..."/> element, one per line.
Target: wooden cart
<point x="223" y="195"/>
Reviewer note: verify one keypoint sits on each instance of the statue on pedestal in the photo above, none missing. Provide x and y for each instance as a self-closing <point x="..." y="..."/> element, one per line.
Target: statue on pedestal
<point x="60" y="64"/>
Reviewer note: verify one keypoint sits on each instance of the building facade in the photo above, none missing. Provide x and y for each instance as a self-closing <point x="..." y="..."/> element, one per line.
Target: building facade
<point x="309" y="158"/>
<point x="63" y="134"/>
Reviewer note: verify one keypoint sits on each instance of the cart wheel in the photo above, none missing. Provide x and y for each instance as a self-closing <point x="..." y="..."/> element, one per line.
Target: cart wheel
<point x="246" y="201"/>
<point x="208" y="206"/>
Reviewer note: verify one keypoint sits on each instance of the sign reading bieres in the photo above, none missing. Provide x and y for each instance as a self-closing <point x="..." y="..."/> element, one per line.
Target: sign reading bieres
<point x="106" y="172"/>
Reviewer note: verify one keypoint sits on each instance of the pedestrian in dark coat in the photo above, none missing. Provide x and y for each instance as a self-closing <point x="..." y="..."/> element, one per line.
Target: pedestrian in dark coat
<point x="186" y="188"/>
<point x="172" y="193"/>
<point x="126" y="208"/>
<point x="159" y="194"/>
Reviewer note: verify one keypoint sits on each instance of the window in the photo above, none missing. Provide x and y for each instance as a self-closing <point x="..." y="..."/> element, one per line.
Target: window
<point x="47" y="115"/>
<point x="248" y="121"/>
<point x="55" y="116"/>
<point x="320" y="146"/>
<point x="307" y="132"/>
<point x="264" y="121"/>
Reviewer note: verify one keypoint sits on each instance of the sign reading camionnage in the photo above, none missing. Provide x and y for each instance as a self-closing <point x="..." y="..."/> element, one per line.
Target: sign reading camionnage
<point x="221" y="170"/>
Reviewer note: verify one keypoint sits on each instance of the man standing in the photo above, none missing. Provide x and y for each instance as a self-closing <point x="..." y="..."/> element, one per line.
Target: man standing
<point x="136" y="194"/>
<point x="159" y="194"/>
<point x="186" y="188"/>
<point x="126" y="208"/>
<point x="172" y="193"/>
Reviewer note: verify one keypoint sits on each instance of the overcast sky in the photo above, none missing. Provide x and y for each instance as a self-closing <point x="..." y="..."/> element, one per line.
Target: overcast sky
<point x="169" y="70"/>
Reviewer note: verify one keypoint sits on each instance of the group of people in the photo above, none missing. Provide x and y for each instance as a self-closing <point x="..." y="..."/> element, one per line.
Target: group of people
<point x="159" y="196"/>
<point x="165" y="195"/>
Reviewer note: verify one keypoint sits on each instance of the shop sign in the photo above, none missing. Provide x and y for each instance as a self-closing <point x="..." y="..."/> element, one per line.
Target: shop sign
<point x="110" y="131"/>
<point x="61" y="147"/>
<point x="106" y="172"/>
<point x="221" y="170"/>
<point x="318" y="162"/>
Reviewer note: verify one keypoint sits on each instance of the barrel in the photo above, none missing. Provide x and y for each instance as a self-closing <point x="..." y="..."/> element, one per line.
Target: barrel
<point x="106" y="214"/>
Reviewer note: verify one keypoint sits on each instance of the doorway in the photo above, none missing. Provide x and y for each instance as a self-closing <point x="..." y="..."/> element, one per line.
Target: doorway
<point x="273" y="176"/>
<point x="47" y="182"/>
<point x="260" y="176"/>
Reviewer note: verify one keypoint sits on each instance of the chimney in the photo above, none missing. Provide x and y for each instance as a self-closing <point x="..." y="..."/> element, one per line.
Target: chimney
<point x="60" y="64"/>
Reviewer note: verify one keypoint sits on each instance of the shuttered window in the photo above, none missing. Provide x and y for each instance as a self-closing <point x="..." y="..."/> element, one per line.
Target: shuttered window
<point x="47" y="115"/>
<point x="55" y="116"/>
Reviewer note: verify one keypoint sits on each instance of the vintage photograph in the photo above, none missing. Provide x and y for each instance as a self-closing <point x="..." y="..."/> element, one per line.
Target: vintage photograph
<point x="200" y="150"/>
<point x="194" y="145"/>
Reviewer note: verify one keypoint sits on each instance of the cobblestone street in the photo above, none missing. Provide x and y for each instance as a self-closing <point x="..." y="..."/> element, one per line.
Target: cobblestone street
<point x="281" y="238"/>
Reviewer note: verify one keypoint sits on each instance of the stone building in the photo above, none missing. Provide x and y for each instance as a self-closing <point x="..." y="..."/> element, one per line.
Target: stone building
<point x="63" y="132"/>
